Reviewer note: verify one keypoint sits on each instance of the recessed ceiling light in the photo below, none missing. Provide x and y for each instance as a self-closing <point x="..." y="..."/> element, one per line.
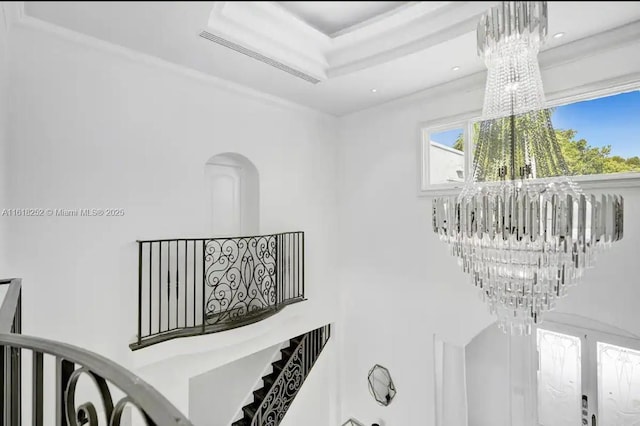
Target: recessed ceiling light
<point x="374" y="90"/>
<point x="558" y="35"/>
<point x="456" y="68"/>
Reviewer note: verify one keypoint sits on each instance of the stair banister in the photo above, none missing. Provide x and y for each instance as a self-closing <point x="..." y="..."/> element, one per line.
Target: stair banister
<point x="71" y="363"/>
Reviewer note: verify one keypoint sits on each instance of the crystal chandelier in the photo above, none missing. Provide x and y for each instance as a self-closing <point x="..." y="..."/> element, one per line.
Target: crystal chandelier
<point x="521" y="227"/>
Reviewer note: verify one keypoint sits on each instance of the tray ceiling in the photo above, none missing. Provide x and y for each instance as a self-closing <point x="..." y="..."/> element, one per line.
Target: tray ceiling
<point x="399" y="49"/>
<point x="331" y="17"/>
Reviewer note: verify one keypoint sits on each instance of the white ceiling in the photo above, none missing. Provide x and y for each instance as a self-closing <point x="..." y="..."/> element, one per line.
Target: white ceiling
<point x="169" y="30"/>
<point x="333" y="16"/>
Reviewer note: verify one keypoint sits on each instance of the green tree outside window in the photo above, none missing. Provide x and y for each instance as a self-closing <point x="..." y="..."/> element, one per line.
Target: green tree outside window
<point x="581" y="158"/>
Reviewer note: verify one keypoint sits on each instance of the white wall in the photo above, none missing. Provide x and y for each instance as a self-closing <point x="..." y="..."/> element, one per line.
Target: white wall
<point x="97" y="126"/>
<point x="4" y="79"/>
<point x="400" y="284"/>
<point x="170" y="365"/>
<point x="215" y="397"/>
<point x="487" y="377"/>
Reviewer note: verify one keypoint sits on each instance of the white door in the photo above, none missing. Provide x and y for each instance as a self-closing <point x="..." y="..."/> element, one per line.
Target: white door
<point x="224" y="184"/>
<point x="588" y="377"/>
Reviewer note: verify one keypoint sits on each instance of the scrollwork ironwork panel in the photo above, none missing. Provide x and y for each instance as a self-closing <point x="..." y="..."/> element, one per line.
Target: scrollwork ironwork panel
<point x="192" y="286"/>
<point x="283" y="391"/>
<point x="87" y="414"/>
<point x="275" y="404"/>
<point x="240" y="274"/>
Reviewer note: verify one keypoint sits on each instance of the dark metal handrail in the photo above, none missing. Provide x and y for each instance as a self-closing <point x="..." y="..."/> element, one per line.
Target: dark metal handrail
<point x="286" y="386"/>
<point x="10" y="304"/>
<point x="215" y="238"/>
<point x="72" y="363"/>
<point x="193" y="286"/>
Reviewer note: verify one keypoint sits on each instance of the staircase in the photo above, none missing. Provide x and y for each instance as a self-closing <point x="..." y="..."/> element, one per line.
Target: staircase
<point x="64" y="366"/>
<point x="272" y="400"/>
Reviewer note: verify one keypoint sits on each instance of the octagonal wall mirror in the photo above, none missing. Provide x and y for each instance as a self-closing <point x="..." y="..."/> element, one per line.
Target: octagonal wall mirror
<point x="352" y="422"/>
<point x="381" y="385"/>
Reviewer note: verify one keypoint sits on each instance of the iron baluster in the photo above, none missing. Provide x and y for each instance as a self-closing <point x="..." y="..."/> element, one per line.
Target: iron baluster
<point x="169" y="285"/>
<point x="234" y="281"/>
<point x="204" y="279"/>
<point x="37" y="389"/>
<point x="64" y="369"/>
<point x="186" y="257"/>
<point x="302" y="260"/>
<point x="194" y="283"/>
<point x="139" y="292"/>
<point x="160" y="289"/>
<point x="150" y="307"/>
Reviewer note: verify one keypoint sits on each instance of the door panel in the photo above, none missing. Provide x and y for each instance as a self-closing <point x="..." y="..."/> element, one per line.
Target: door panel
<point x="618" y="385"/>
<point x="224" y="184"/>
<point x="559" y="379"/>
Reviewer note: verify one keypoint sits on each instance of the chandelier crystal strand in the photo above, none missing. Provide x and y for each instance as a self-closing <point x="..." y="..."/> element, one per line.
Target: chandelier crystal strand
<point x="521" y="227"/>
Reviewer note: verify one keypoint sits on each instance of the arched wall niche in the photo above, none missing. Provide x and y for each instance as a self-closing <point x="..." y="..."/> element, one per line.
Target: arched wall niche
<point x="233" y="194"/>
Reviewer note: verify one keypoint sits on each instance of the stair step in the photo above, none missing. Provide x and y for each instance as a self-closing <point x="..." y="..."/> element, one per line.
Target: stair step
<point x="250" y="410"/>
<point x="269" y="380"/>
<point x="287" y="352"/>
<point x="279" y="365"/>
<point x="260" y="394"/>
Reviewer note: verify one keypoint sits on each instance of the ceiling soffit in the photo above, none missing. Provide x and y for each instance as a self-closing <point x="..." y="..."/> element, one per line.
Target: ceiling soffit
<point x="269" y="32"/>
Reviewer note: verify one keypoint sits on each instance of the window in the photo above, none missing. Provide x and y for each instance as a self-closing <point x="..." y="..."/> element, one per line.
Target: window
<point x="599" y="138"/>
<point x="445" y="163"/>
<point x="585" y="376"/>
<point x="446" y="156"/>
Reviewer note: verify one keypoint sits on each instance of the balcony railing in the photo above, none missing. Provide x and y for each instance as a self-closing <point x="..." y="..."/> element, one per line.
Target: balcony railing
<point x="54" y="373"/>
<point x="196" y="286"/>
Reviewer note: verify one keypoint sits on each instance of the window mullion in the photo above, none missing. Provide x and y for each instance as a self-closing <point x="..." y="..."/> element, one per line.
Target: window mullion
<point x="468" y="149"/>
<point x="589" y="377"/>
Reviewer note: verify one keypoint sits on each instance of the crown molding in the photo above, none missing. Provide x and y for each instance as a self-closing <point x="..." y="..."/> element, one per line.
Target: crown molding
<point x="370" y="24"/>
<point x="548" y="59"/>
<point x="35" y="24"/>
<point x="591" y="45"/>
<point x="271" y="31"/>
<point x="12" y="13"/>
<point x="426" y="27"/>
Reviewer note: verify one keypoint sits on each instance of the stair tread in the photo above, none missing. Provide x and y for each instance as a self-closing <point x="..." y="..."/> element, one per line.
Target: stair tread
<point x="250" y="409"/>
<point x="268" y="380"/>
<point x="287" y="352"/>
<point x="279" y="365"/>
<point x="260" y="394"/>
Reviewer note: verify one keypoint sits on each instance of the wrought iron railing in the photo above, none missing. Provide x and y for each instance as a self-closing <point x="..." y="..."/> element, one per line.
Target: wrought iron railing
<point x="286" y="386"/>
<point x="188" y="286"/>
<point x="74" y="405"/>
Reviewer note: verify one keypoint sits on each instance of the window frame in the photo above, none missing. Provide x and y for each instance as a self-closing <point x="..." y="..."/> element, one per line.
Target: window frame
<point x="466" y="120"/>
<point x="467" y="131"/>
